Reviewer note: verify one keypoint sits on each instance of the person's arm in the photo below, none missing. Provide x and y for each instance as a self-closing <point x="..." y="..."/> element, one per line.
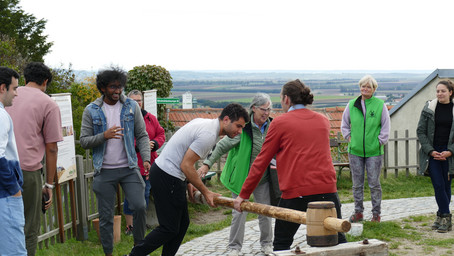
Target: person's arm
<point x="187" y="167"/>
<point x="160" y="134"/>
<point x="385" y="126"/>
<point x="422" y="131"/>
<point x="260" y="165"/>
<point x="8" y="169"/>
<point x="141" y="135"/>
<point x="87" y="139"/>
<point x="221" y="148"/>
<point x="345" y="125"/>
<point x="51" y="169"/>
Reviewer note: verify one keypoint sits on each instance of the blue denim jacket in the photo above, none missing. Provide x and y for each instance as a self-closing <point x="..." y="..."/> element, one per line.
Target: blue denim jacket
<point x="94" y="124"/>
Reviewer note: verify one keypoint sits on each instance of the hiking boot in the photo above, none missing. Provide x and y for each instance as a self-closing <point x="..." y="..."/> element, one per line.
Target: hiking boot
<point x="436" y="224"/>
<point x="445" y="223"/>
<point x="128" y="230"/>
<point x="375" y="217"/>
<point x="356" y="217"/>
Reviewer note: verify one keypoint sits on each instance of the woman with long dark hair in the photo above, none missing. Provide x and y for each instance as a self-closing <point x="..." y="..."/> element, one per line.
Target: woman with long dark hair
<point x="435" y="133"/>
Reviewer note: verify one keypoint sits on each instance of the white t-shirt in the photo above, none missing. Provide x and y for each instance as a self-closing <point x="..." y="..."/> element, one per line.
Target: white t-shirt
<point x="200" y="135"/>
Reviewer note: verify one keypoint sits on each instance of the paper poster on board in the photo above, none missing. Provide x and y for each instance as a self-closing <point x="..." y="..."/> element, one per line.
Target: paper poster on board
<point x="150" y="102"/>
<point x="66" y="161"/>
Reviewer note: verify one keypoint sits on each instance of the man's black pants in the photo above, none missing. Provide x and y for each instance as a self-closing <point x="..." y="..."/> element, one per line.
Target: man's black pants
<point x="169" y="195"/>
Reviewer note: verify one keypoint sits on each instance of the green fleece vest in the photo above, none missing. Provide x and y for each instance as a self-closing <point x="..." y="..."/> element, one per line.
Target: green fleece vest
<point x="236" y="167"/>
<point x="364" y="132"/>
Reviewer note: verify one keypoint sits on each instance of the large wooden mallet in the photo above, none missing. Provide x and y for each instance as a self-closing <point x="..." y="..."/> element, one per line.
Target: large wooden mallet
<point x="321" y="218"/>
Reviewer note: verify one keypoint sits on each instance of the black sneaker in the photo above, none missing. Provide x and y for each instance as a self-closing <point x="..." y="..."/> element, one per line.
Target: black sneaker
<point x="128" y="230"/>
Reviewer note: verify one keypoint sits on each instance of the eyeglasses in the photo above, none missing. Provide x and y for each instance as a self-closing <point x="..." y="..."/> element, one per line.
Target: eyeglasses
<point x="265" y="109"/>
<point x="115" y="87"/>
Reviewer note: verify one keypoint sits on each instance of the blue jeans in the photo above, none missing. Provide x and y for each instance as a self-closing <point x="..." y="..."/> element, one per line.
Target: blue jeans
<point x="440" y="181"/>
<point x="12" y="236"/>
<point x="126" y="209"/>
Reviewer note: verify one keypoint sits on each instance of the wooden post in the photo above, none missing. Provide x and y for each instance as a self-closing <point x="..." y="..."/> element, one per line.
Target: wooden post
<point x="73" y="207"/>
<point x="385" y="161"/>
<point x="61" y="226"/>
<point x="81" y="190"/>
<point x="118" y="200"/>
<point x="396" y="156"/>
<point x="407" y="153"/>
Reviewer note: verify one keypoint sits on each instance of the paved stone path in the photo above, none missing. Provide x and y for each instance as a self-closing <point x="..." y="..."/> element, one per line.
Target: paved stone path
<point x="216" y="243"/>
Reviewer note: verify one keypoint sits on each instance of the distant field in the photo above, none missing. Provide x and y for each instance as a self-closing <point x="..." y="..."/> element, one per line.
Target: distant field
<point x="320" y="100"/>
<point x="329" y="89"/>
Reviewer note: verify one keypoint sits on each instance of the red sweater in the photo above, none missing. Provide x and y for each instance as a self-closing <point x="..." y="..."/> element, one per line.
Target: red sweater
<point x="300" y="139"/>
<point x="156" y="133"/>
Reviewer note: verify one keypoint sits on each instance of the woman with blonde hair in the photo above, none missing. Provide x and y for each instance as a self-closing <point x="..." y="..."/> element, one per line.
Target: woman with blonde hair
<point x="365" y="122"/>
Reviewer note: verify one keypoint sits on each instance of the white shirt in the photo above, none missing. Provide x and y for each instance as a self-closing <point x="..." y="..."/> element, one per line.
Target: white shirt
<point x="200" y="135"/>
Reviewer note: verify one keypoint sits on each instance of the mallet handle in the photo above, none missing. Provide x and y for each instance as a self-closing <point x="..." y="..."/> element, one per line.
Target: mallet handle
<point x="276" y="212"/>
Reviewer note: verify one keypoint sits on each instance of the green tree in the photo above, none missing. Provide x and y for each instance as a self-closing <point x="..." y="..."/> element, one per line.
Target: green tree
<point x="25" y="30"/>
<point x="81" y="95"/>
<point x="149" y="77"/>
<point x="62" y="80"/>
<point x="10" y="55"/>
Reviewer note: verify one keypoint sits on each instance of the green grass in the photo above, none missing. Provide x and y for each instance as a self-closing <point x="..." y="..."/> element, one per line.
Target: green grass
<point x="391" y="232"/>
<point x="393" y="188"/>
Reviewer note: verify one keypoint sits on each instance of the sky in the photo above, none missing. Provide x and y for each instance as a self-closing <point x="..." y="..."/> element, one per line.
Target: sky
<point x="248" y="34"/>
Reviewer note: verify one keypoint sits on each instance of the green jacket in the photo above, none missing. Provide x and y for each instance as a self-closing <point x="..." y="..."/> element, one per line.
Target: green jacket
<point x="239" y="160"/>
<point x="426" y="132"/>
<point x="364" y="134"/>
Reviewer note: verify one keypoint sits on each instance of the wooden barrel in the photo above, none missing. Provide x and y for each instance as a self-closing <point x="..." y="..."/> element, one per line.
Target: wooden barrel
<point x="317" y="234"/>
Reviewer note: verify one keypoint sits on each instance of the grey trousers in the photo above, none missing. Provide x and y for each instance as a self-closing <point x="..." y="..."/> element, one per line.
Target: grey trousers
<point x="105" y="187"/>
<point x="372" y="165"/>
<point x="261" y="195"/>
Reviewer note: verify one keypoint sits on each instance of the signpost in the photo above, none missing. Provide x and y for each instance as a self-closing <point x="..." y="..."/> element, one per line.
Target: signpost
<point x="168" y="100"/>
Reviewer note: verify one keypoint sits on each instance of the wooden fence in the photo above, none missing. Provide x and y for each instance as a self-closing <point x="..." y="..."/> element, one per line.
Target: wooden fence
<point x="401" y="153"/>
<point x="76" y="222"/>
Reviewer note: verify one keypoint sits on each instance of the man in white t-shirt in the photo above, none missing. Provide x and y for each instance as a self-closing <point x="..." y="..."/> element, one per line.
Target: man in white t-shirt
<point x="174" y="169"/>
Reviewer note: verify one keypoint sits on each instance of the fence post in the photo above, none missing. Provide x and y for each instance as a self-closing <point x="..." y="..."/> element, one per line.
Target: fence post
<point x="385" y="161"/>
<point x="396" y="155"/>
<point x="407" y="153"/>
<point x="81" y="190"/>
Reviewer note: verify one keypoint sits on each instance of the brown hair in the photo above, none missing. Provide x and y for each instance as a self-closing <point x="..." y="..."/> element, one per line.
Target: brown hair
<point x="298" y="92"/>
<point x="448" y="85"/>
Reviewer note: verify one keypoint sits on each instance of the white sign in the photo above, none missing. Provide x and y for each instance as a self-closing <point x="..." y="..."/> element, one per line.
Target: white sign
<point x="187" y="100"/>
<point x="149" y="102"/>
<point x="66" y="160"/>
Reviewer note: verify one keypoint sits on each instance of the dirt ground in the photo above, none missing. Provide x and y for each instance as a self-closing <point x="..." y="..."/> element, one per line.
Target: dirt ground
<point x="209" y="217"/>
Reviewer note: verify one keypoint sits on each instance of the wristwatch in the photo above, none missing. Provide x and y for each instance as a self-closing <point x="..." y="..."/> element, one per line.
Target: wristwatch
<point x="47" y="185"/>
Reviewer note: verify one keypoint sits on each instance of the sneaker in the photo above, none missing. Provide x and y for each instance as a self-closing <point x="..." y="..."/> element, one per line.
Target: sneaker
<point x="234" y="252"/>
<point x="376" y="217"/>
<point x="267" y="250"/>
<point x="128" y="230"/>
<point x="356" y="217"/>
